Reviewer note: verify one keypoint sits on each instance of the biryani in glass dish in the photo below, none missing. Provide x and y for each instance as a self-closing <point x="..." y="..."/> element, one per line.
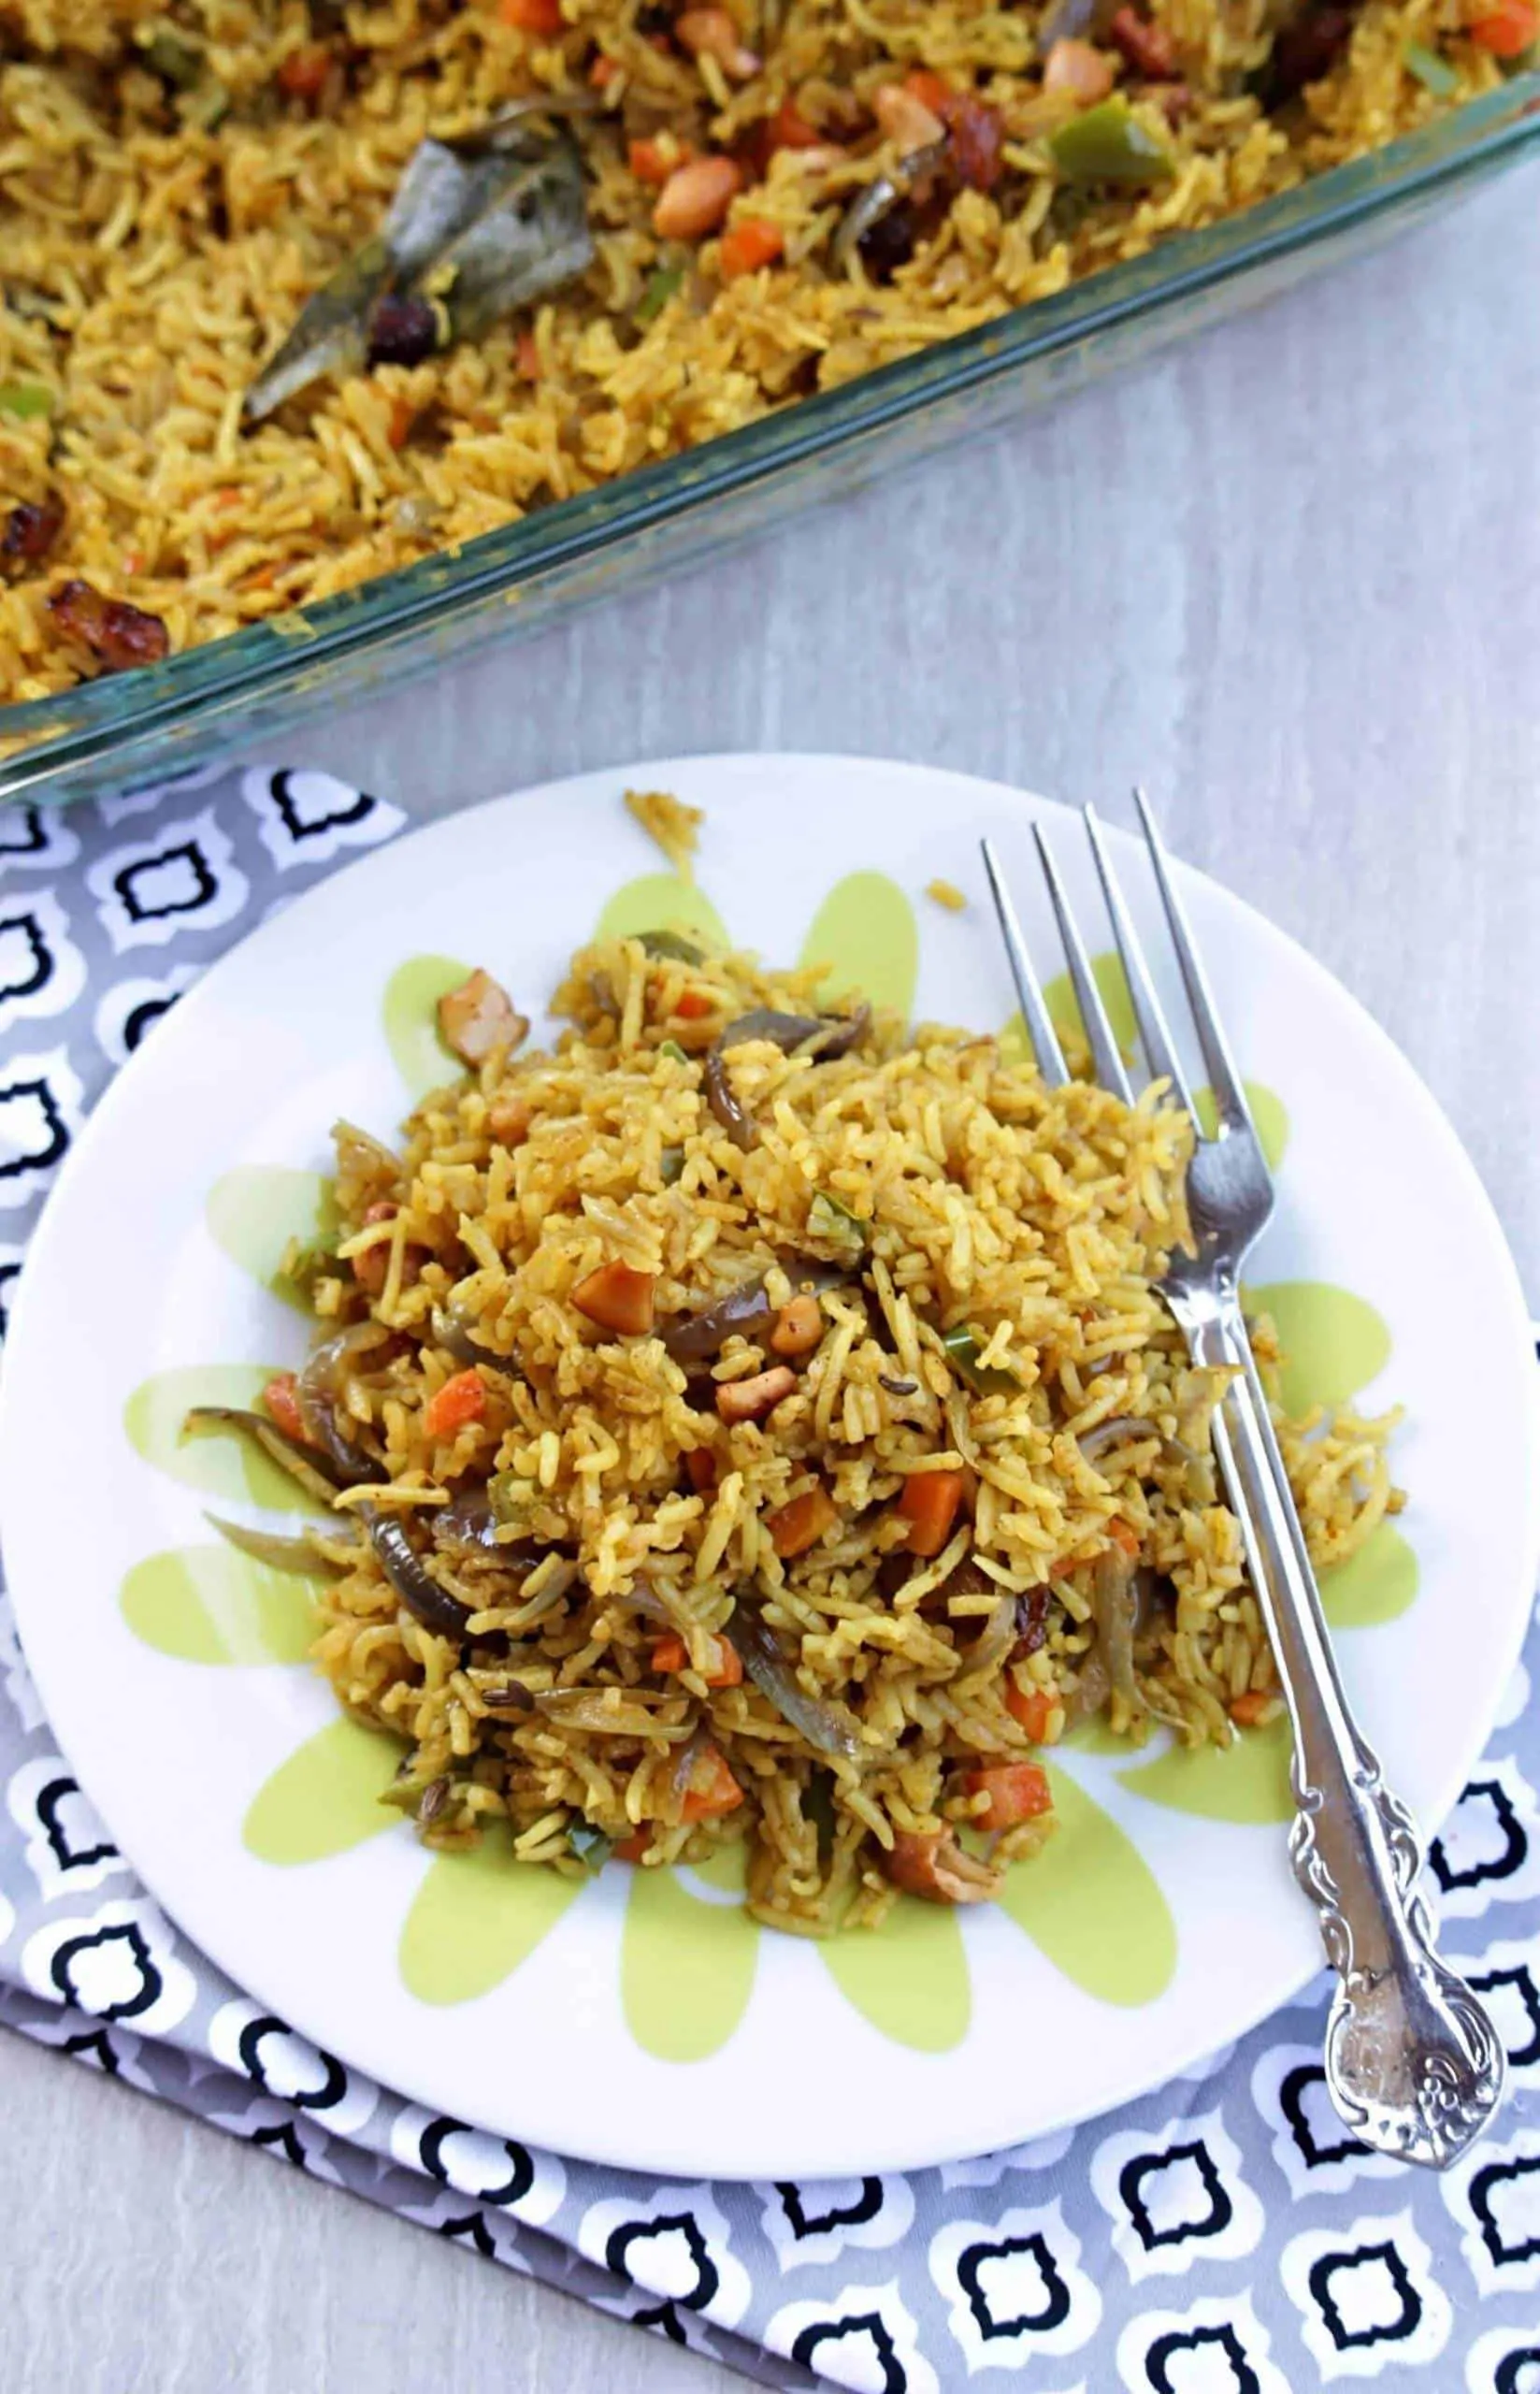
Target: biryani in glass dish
<point x="294" y="294"/>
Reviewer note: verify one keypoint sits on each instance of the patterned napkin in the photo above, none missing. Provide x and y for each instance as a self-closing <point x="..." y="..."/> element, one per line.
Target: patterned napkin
<point x="1218" y="2237"/>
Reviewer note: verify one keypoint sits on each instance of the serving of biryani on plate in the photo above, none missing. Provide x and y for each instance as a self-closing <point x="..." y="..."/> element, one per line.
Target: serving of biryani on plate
<point x="295" y="292"/>
<point x="753" y="1420"/>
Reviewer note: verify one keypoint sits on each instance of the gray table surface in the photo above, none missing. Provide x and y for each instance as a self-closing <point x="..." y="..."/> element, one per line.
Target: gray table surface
<point x="1289" y="576"/>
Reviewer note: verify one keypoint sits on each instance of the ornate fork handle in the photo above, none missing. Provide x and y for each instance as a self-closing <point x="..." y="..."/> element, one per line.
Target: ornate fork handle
<point x="1412" y="2060"/>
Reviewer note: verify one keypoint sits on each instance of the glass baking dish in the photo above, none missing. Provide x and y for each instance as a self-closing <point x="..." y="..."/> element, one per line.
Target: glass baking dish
<point x="261" y="683"/>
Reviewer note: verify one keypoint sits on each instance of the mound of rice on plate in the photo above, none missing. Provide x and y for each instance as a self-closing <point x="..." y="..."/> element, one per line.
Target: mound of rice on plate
<point x="752" y="1420"/>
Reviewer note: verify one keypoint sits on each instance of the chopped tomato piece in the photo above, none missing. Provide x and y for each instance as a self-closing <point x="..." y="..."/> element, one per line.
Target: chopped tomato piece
<point x="747" y="1400"/>
<point x="1247" y="1709"/>
<point x="1122" y="1536"/>
<point x="748" y="245"/>
<point x="712" y="1789"/>
<point x="700" y="1463"/>
<point x="977" y="134"/>
<point x="602" y="73"/>
<point x="1017" y="1791"/>
<point x="618" y="1298"/>
<point x="632" y="1848"/>
<point x="460" y="1400"/>
<point x="694" y="1005"/>
<point x="305" y="71"/>
<point x="526" y="355"/>
<point x="802" y="1524"/>
<point x="281" y="1399"/>
<point x="1032" y="1706"/>
<point x="532" y="16"/>
<point x="930" y="1505"/>
<point x="1507" y="29"/>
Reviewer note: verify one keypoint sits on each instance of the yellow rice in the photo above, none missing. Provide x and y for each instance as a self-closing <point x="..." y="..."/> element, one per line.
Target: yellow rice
<point x="151" y="264"/>
<point x="1036" y="1219"/>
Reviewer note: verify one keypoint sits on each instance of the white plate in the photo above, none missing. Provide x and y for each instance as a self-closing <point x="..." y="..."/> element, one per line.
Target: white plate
<point x="674" y="2036"/>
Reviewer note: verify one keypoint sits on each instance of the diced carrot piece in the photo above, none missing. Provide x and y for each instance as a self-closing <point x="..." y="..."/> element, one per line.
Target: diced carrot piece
<point x="526" y="354"/>
<point x="932" y="91"/>
<point x="713" y="1788"/>
<point x="632" y="1848"/>
<point x="748" y="1400"/>
<point x="460" y="1400"/>
<point x="281" y="1399"/>
<point x="802" y="1524"/>
<point x="797" y="1328"/>
<point x="402" y="417"/>
<point x="930" y="1505"/>
<point x="1032" y="1706"/>
<point x="1247" y="1709"/>
<point x="603" y="71"/>
<point x="790" y="130"/>
<point x="748" y="245"/>
<point x="1017" y="1791"/>
<point x="654" y="162"/>
<point x="693" y="1005"/>
<point x="1507" y="29"/>
<point x="532" y="16"/>
<point x="304" y="71"/>
<point x="727" y="1669"/>
<point x="618" y="1298"/>
<point x="700" y="1463"/>
<point x="1123" y="1535"/>
<point x="371" y="1268"/>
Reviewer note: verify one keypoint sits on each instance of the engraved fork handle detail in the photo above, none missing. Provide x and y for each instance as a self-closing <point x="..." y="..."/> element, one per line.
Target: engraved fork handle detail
<point x="1412" y="2060"/>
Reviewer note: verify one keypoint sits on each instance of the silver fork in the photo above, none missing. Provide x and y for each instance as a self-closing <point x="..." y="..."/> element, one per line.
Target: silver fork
<point x="1413" y="2063"/>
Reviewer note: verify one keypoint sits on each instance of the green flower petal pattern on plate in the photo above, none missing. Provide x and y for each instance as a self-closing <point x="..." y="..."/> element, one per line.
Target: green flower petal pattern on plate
<point x="1110" y="978"/>
<point x="661" y="901"/>
<point x="1267" y="1112"/>
<point x="219" y="1462"/>
<point x="1090" y="1903"/>
<point x="686" y="1965"/>
<point x="1334" y="1343"/>
<point x="325" y="1797"/>
<point x="211" y="1604"/>
<point x="865" y="933"/>
<point x="256" y="1209"/>
<point x="909" y="1978"/>
<point x="475" y="1918"/>
<point x="410" y="1011"/>
<point x="1246" y="1782"/>
<point x="1378" y="1583"/>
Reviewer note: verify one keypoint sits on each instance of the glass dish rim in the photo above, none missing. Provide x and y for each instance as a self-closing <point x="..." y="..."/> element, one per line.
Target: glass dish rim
<point x="41" y="738"/>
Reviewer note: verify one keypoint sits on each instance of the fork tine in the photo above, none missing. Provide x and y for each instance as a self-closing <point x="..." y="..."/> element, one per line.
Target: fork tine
<point x="1109" y="1069"/>
<point x="1034" y="1013"/>
<point x="1230" y="1099"/>
<point x="1159" y="1052"/>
